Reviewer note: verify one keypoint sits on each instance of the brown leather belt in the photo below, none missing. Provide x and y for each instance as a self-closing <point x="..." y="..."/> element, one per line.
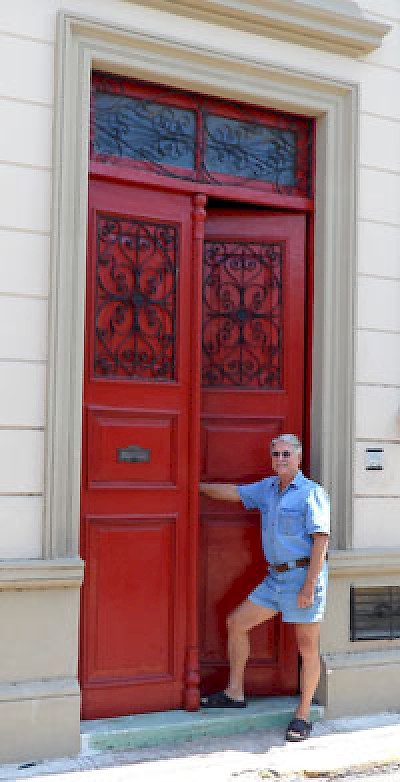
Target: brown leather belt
<point x="289" y="565"/>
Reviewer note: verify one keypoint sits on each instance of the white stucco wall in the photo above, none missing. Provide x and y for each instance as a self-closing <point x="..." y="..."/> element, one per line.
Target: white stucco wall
<point x="27" y="34"/>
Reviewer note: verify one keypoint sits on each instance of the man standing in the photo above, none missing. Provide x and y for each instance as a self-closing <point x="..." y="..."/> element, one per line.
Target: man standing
<point x="295" y="528"/>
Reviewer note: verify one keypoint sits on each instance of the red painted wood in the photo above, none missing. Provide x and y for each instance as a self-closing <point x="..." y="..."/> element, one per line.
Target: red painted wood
<point x="123" y="174"/>
<point x="237" y="426"/>
<point x="134" y="516"/>
<point x="192" y="674"/>
<point x="309" y="320"/>
<point x="309" y="312"/>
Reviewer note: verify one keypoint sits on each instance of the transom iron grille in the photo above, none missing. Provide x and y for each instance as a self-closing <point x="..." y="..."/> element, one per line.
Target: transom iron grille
<point x="144" y="130"/>
<point x="250" y="150"/>
<point x="374" y="613"/>
<point x="242" y="314"/>
<point x="191" y="137"/>
<point x="136" y="291"/>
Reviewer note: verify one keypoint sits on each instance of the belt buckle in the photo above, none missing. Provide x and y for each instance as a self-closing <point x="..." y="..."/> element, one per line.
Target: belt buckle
<point x="292" y="563"/>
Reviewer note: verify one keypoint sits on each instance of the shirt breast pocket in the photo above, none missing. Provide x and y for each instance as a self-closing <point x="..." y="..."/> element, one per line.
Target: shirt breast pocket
<point x="291" y="521"/>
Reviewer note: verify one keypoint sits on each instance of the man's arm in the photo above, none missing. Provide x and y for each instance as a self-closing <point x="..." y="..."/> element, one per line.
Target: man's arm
<point x="220" y="491"/>
<point x="305" y="597"/>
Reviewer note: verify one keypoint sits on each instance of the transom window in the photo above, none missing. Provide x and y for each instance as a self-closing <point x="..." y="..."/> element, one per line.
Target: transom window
<point x="191" y="137"/>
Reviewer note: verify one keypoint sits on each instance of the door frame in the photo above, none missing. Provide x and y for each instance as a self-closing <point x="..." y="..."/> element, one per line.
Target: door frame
<point x="84" y="43"/>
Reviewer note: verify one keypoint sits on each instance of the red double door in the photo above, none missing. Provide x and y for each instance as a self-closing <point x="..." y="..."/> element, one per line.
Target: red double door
<point x="161" y="574"/>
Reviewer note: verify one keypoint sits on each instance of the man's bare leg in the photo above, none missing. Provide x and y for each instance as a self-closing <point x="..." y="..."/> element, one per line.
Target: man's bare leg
<point x="307" y="636"/>
<point x="239" y="623"/>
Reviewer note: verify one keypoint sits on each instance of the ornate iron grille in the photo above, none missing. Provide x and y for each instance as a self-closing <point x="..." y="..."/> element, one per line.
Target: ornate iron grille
<point x="242" y="314"/>
<point x="374" y="613"/>
<point x="249" y="150"/>
<point x="200" y="143"/>
<point x="136" y="291"/>
<point x="144" y="130"/>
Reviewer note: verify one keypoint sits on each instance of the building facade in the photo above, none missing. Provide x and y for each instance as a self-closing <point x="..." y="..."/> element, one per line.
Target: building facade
<point x="73" y="430"/>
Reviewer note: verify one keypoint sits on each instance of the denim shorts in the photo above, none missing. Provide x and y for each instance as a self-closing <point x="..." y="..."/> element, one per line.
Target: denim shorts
<point x="279" y="591"/>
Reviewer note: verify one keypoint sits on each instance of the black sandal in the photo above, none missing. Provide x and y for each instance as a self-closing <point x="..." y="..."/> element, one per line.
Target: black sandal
<point x="219" y="700"/>
<point x="298" y="730"/>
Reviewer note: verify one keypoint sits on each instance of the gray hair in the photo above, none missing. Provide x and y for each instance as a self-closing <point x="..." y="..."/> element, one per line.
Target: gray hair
<point x="291" y="439"/>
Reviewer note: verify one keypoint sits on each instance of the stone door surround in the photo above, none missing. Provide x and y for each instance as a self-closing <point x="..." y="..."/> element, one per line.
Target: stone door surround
<point x="84" y="44"/>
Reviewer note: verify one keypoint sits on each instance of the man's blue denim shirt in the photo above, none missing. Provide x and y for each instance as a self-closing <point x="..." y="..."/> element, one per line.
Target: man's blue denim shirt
<point x="289" y="518"/>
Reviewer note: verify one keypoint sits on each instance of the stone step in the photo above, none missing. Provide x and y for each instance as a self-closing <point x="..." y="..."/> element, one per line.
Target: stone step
<point x="157" y="728"/>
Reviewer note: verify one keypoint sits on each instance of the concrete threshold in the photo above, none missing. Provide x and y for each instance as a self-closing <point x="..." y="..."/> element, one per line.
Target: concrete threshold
<point x="338" y="747"/>
<point x="159" y="728"/>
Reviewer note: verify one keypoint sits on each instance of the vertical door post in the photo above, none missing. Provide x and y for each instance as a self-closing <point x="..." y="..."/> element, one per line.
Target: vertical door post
<point x="192" y="674"/>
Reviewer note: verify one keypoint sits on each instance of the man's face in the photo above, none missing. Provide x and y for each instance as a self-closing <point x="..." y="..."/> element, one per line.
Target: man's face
<point x="285" y="460"/>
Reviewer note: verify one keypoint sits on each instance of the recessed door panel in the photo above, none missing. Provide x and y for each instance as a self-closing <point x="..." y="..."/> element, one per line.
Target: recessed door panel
<point x="223" y="459"/>
<point x="131" y="449"/>
<point x="230" y="544"/>
<point x="131" y="645"/>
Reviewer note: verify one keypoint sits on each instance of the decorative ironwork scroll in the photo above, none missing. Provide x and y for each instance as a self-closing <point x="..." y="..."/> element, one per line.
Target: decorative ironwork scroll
<point x="200" y="139"/>
<point x="250" y="150"/>
<point x="136" y="291"/>
<point x="141" y="129"/>
<point x="242" y="314"/>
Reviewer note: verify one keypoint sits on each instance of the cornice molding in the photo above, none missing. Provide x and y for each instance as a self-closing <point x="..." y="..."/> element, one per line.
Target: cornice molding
<point x="41" y="573"/>
<point x="364" y="562"/>
<point x="316" y="24"/>
<point x="37" y="689"/>
<point x="361" y="659"/>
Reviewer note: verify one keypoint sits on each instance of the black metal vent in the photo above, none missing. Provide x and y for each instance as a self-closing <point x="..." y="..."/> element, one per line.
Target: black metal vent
<point x="374" y="613"/>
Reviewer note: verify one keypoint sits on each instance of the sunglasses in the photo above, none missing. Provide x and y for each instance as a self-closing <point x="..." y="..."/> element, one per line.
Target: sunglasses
<point x="282" y="454"/>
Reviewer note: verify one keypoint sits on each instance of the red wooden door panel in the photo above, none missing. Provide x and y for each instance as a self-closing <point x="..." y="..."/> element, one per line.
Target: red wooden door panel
<point x="253" y="386"/>
<point x="135" y="450"/>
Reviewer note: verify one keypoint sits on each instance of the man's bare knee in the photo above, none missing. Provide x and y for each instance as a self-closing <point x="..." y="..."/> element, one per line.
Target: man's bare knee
<point x="246" y="616"/>
<point x="308" y="639"/>
<point x="234" y="622"/>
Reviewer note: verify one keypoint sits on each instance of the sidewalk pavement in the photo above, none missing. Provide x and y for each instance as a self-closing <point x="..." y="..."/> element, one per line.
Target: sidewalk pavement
<point x="336" y="746"/>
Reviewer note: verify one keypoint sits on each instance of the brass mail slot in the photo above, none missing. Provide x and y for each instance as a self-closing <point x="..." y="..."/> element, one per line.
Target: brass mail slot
<point x="133" y="453"/>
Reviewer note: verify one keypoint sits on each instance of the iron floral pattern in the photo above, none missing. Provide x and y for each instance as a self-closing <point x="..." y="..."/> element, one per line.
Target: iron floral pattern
<point x="136" y="292"/>
<point x="142" y="129"/>
<point x="250" y="150"/>
<point x="242" y="314"/>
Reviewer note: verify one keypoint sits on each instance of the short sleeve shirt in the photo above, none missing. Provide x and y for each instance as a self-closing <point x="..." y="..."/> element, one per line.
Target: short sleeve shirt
<point x="289" y="518"/>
